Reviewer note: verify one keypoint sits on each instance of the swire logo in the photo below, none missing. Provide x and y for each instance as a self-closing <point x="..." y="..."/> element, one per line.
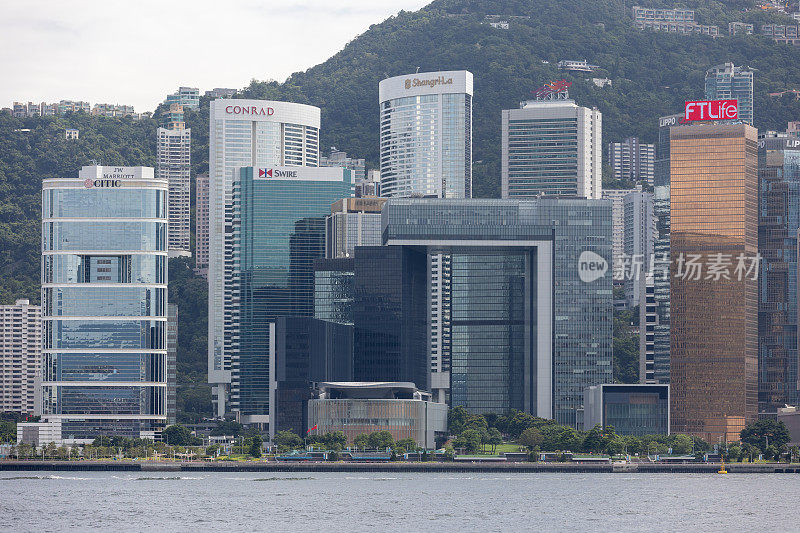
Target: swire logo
<point x="276" y="173"/>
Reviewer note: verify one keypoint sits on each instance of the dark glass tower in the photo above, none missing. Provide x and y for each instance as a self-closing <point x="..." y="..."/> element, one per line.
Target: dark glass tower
<point x="279" y="232"/>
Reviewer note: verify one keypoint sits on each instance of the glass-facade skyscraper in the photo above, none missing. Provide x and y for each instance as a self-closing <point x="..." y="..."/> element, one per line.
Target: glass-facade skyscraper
<point x="778" y="225"/>
<point x="531" y="297"/>
<point x="713" y="314"/>
<point x="279" y="232"/>
<point x="104" y="302"/>
<point x="426" y="135"/>
<point x="729" y="82"/>
<point x="552" y="147"/>
<point x="243" y="133"/>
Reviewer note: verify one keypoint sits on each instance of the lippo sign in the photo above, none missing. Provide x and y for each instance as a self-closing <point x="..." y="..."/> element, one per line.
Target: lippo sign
<point x="711" y="110"/>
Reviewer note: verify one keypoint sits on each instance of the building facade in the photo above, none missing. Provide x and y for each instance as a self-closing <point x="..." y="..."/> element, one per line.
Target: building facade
<point x="279" y="232"/>
<point x="714" y="317"/>
<point x="630" y="409"/>
<point x="353" y="222"/>
<point x="104" y="302"/>
<point x="172" y="363"/>
<point x="356" y="408"/>
<point x="640" y="236"/>
<point x="426" y="134"/>
<point x="617" y="197"/>
<point x="632" y="160"/>
<point x="553" y="148"/>
<point x="338" y="158"/>
<point x="531" y="298"/>
<point x="20" y="356"/>
<point x="173" y="157"/>
<point x="201" y="219"/>
<point x="729" y="82"/>
<point x="244" y="133"/>
<point x="778" y="225"/>
<point x="186" y="97"/>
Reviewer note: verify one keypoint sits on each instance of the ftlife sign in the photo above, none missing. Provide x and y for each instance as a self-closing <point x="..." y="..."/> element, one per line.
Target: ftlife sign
<point x="711" y="110"/>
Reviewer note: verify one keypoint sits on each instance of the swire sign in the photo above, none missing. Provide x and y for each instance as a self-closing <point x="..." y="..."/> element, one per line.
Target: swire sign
<point x="711" y="110"/>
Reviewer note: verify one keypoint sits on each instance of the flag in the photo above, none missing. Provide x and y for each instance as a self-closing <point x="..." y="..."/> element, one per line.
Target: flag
<point x="312" y="429"/>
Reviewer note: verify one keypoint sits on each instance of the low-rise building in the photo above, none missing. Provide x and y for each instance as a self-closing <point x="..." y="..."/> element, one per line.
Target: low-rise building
<point x="71" y="134"/>
<point x="634" y="409"/>
<point x="576" y="66"/>
<point x="740" y="28"/>
<point x="400" y="408"/>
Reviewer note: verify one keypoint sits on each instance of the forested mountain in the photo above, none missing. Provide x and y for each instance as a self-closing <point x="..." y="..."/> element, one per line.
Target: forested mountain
<point x="652" y="74"/>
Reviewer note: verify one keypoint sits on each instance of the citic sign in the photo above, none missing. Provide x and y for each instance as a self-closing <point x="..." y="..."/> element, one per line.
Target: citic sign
<point x="249" y="110"/>
<point x="711" y="110"/>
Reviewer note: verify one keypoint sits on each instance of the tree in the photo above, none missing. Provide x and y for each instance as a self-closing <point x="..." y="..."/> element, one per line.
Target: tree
<point x="227" y="427"/>
<point x="406" y="445"/>
<point x="362" y="440"/>
<point x="255" y="446"/>
<point x="469" y="440"/>
<point x="594" y="440"/>
<point x="764" y="433"/>
<point x="8" y="431"/>
<point x="531" y="438"/>
<point x="334" y="440"/>
<point x="682" y="444"/>
<point x="495" y="438"/>
<point x="287" y="439"/>
<point x="178" y="435"/>
<point x="381" y="440"/>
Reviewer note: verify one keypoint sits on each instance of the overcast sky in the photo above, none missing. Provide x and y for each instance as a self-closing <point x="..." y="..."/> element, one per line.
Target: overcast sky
<point x="137" y="51"/>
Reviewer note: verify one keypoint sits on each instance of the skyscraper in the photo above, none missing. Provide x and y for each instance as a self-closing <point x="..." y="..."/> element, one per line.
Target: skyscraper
<point x="640" y="234"/>
<point x="531" y="304"/>
<point x="20" y="356"/>
<point x="244" y="133"/>
<point x="617" y="197"/>
<point x="201" y="225"/>
<point x="632" y="160"/>
<point x="185" y="96"/>
<point x="104" y="302"/>
<point x="729" y="82"/>
<point x="714" y="296"/>
<point x="279" y="231"/>
<point x="426" y="135"/>
<point x="778" y="224"/>
<point x="173" y="154"/>
<point x="552" y="147"/>
<point x="353" y="222"/>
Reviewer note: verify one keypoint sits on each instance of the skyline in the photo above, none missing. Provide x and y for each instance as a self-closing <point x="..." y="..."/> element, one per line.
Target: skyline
<point x="47" y="71"/>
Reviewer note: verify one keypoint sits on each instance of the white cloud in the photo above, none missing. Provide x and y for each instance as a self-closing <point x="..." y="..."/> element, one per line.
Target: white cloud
<point x="136" y="52"/>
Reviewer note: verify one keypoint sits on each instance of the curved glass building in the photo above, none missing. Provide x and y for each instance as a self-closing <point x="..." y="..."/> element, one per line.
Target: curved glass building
<point x="426" y="135"/>
<point x="104" y="302"/>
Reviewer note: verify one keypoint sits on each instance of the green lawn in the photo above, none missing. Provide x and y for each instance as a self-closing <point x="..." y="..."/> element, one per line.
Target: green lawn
<point x="501" y="448"/>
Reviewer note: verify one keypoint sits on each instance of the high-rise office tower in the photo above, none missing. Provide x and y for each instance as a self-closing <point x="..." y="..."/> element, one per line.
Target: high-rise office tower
<point x="20" y="356"/>
<point x="778" y="224"/>
<point x="279" y="231"/>
<point x="370" y="185"/>
<point x="552" y="147"/>
<point x="632" y="160"/>
<point x="201" y="225"/>
<point x="104" y="302"/>
<point x="714" y="295"/>
<point x="244" y="133"/>
<point x="617" y="197"/>
<point x="353" y="222"/>
<point x="640" y="235"/>
<point x="729" y="82"/>
<point x="531" y="312"/>
<point x="173" y="154"/>
<point x="426" y="150"/>
<point x="426" y="135"/>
